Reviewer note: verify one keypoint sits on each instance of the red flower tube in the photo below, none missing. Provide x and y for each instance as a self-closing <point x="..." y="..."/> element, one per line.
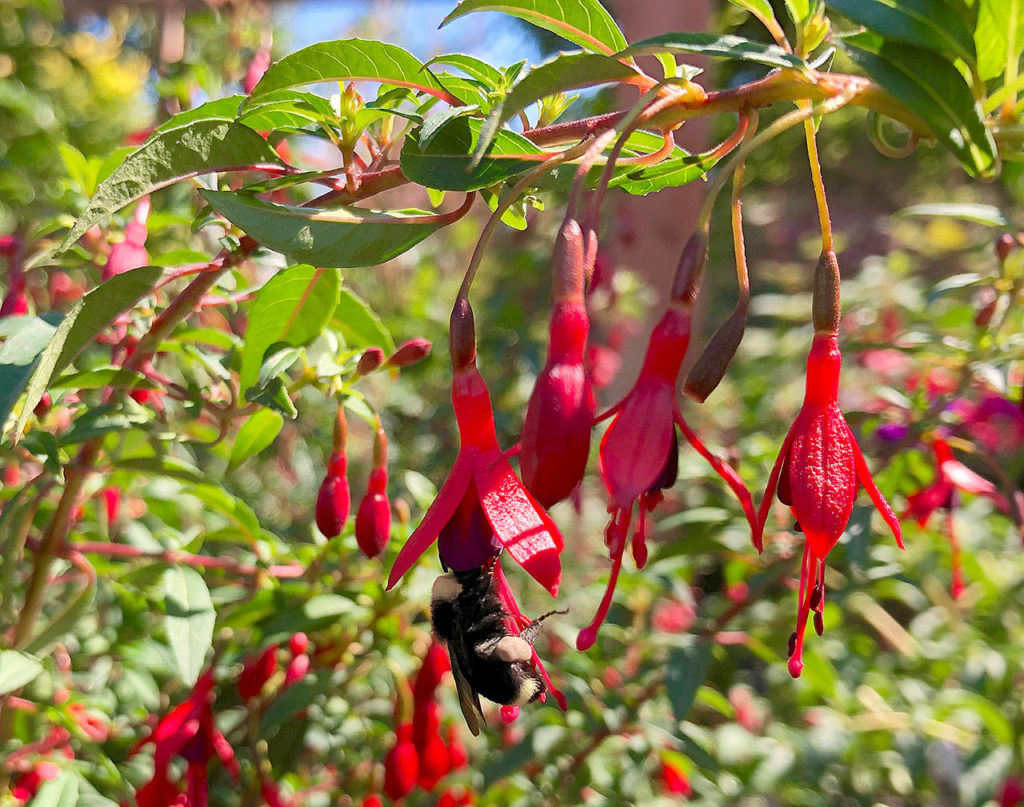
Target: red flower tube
<point x="482" y="506"/>
<point x="373" y="519"/>
<point x="820" y="464"/>
<point x="560" y="415"/>
<point x="333" y="501"/>
<point x="402" y="765"/>
<point x="639" y="452"/>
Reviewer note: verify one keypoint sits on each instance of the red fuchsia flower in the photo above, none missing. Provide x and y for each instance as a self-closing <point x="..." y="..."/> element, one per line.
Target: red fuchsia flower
<point x="300" y="663"/>
<point x="639" y="451"/>
<point x="15" y="302"/>
<point x="997" y="424"/>
<point x="482" y="506"/>
<point x="674" y="780"/>
<point x="556" y="430"/>
<point x="820" y="465"/>
<point x="952" y="475"/>
<point x="435" y="665"/>
<point x="457" y="751"/>
<point x="413" y="351"/>
<point x="1011" y="793"/>
<point x="334" y="501"/>
<point x="401" y="765"/>
<point x="112" y="503"/>
<point x="25" y="785"/>
<point x="131" y="252"/>
<point x="187" y="731"/>
<point x="373" y="519"/>
<point x="373" y="800"/>
<point x="256" y="672"/>
<point x="258" y="65"/>
<point x="271" y="793"/>
<point x="673" y="617"/>
<point x="456" y="797"/>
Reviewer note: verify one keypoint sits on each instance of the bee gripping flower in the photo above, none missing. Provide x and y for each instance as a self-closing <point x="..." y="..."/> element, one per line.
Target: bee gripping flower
<point x="482" y="505"/>
<point x="820" y="466"/>
<point x="560" y="414"/>
<point x="373" y="519"/>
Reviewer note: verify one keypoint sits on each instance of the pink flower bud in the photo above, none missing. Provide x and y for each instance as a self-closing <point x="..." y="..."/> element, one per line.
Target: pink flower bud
<point x="373" y="520"/>
<point x="257" y="672"/>
<point x="297" y="669"/>
<point x="298" y="643"/>
<point x="1004" y="246"/>
<point x="413" y="351"/>
<point x="333" y="501"/>
<point x="112" y="500"/>
<point x="43" y="406"/>
<point x="131" y="252"/>
<point x="371" y="359"/>
<point x="257" y="67"/>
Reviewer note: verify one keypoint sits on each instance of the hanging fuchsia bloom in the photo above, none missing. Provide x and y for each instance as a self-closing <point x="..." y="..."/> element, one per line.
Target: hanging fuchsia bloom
<point x="256" y="672"/>
<point x="258" y="65"/>
<point x="560" y="415"/>
<point x="131" y="252"/>
<point x="952" y="476"/>
<point x="402" y="765"/>
<point x="373" y="519"/>
<point x="639" y="451"/>
<point x="187" y="731"/>
<point x="482" y="506"/>
<point x="820" y="465"/>
<point x="15" y="302"/>
<point x="333" y="500"/>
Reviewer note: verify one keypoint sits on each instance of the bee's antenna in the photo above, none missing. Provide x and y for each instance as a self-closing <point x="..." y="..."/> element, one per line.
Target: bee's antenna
<point x="532" y="631"/>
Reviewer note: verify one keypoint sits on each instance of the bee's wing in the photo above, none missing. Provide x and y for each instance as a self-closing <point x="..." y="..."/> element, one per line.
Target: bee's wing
<point x="469" y="701"/>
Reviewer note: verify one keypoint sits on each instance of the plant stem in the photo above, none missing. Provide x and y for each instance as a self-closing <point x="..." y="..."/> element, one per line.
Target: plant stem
<point x="824" y="221"/>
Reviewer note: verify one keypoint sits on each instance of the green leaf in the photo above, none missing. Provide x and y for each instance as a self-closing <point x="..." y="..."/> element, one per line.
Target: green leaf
<point x="359" y="325"/>
<point x="687" y="668"/>
<point x="447" y="161"/>
<point x="27" y="338"/>
<point x="16" y="670"/>
<point x="471" y="66"/>
<point x="936" y="91"/>
<point x="761" y="9"/>
<point x="348" y="60"/>
<point x="345" y="236"/>
<point x="241" y="516"/>
<point x="584" y="22"/>
<point x="725" y="45"/>
<point x="94" y="312"/>
<point x="938" y="25"/>
<point x="978" y="213"/>
<point x="59" y="792"/>
<point x="293" y="308"/>
<point x="219" y="109"/>
<point x="196" y="148"/>
<point x="798" y="10"/>
<point x="162" y="466"/>
<point x="256" y="434"/>
<point x="677" y="170"/>
<point x="999" y="35"/>
<point x="64" y="621"/>
<point x="116" y="377"/>
<point x="189" y="620"/>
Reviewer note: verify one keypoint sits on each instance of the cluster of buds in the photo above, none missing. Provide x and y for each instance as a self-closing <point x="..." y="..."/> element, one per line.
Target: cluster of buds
<point x="421" y="755"/>
<point x="260" y="671"/>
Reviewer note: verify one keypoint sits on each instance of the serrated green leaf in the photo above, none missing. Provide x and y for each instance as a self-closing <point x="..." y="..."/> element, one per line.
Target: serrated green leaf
<point x="293" y="308"/>
<point x="16" y="670"/>
<point x="938" y="25"/>
<point x="687" y="668"/>
<point x="934" y="89"/>
<point x="199" y="147"/>
<point x="357" y="322"/>
<point x="189" y="620"/>
<point x="219" y="109"/>
<point x="94" y="312"/>
<point x="258" y="432"/>
<point x="447" y="162"/>
<point x="348" y="60"/>
<point x="584" y="22"/>
<point x="727" y="46"/>
<point x="339" y="237"/>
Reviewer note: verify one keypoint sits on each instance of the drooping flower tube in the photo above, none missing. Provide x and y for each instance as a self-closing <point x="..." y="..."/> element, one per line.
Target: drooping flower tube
<point x="639" y="451"/>
<point x="820" y="465"/>
<point x="952" y="476"/>
<point x="373" y="519"/>
<point x="560" y="414"/>
<point x="482" y="506"/>
<point x="333" y="500"/>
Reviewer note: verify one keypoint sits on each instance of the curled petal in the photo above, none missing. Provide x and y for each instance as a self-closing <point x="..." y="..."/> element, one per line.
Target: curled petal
<point x="864" y="475"/>
<point x="769" y="491"/>
<point x="437" y="516"/>
<point x="731" y="478"/>
<point x="634" y="449"/>
<point x="962" y="477"/>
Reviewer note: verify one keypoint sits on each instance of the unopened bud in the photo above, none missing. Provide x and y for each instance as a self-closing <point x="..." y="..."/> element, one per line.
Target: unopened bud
<point x="340" y="430"/>
<point x="710" y="368"/>
<point x="825" y="303"/>
<point x="413" y="351"/>
<point x="45" y="401"/>
<point x="690" y="269"/>
<point x="462" y="335"/>
<point x="985" y="303"/>
<point x="372" y="358"/>
<point x="568" y="263"/>
<point x="1004" y="246"/>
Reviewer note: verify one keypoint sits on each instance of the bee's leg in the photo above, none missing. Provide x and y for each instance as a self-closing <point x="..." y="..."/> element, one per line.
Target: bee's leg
<point x="532" y="631"/>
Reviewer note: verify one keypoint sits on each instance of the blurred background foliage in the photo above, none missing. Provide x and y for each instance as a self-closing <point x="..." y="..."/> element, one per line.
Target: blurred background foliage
<point x="909" y="698"/>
